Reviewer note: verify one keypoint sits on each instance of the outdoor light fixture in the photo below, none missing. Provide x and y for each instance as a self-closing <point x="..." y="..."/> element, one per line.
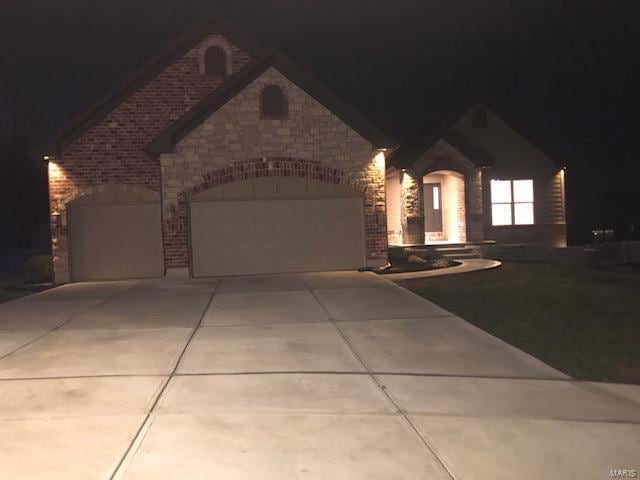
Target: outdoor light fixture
<point x="54" y="169"/>
<point x="56" y="219"/>
<point x="379" y="159"/>
<point x="46" y="158"/>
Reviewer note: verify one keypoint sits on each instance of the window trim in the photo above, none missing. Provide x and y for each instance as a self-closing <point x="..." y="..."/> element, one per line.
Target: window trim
<point x="513" y="203"/>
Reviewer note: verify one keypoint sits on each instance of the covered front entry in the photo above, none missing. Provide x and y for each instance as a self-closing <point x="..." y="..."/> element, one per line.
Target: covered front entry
<point x="424" y="209"/>
<point x="444" y="207"/>
<point x="115" y="234"/>
<point x="276" y="224"/>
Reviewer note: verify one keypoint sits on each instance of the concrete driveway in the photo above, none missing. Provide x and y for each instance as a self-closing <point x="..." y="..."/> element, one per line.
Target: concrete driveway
<point x="316" y="376"/>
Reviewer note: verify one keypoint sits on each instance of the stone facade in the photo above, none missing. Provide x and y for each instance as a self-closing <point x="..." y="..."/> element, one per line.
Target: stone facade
<point x="235" y="142"/>
<point x="412" y="208"/>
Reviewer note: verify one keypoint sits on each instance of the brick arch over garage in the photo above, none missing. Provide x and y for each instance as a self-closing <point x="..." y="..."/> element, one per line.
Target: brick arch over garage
<point x="176" y="216"/>
<point x="272" y="167"/>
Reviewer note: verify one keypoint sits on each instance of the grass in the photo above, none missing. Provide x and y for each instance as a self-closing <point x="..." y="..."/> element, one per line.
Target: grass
<point x="582" y="321"/>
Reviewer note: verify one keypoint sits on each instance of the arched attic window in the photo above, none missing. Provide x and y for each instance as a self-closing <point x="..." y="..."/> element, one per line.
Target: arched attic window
<point x="274" y="102"/>
<point x="215" y="61"/>
<point x="479" y="118"/>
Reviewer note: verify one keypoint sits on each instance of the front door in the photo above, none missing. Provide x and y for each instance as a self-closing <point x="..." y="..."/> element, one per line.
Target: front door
<point x="433" y="207"/>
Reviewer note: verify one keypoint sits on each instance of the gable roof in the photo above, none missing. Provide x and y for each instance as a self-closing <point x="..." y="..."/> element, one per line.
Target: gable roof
<point x="411" y="150"/>
<point x="173" y="52"/>
<point x="243" y="78"/>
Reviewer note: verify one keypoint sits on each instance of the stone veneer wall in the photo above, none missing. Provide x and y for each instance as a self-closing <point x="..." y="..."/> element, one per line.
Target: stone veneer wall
<point x="412" y="207"/>
<point x="236" y="143"/>
<point x="113" y="150"/>
<point x="393" y="192"/>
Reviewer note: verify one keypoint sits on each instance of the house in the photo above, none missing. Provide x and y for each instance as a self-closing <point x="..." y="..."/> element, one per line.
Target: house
<point x="222" y="157"/>
<point x="474" y="178"/>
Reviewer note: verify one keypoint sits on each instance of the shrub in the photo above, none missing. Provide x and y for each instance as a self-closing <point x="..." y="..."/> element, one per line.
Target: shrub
<point x="441" y="263"/>
<point x="39" y="268"/>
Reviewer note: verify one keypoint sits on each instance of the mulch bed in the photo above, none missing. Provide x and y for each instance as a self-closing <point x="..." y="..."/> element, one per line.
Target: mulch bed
<point x="402" y="266"/>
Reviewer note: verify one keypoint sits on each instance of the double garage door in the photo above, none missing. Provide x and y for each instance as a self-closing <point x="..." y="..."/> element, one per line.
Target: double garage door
<point x="249" y="227"/>
<point x="269" y="236"/>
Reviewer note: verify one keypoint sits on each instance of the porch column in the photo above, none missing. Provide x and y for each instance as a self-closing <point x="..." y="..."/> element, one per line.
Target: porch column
<point x="412" y="208"/>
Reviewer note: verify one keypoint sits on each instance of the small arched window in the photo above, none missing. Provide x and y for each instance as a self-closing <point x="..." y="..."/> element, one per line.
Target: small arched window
<point x="274" y="102"/>
<point x="479" y="118"/>
<point x="215" y="61"/>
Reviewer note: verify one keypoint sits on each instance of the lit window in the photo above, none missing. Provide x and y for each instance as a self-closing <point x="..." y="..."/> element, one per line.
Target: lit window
<point x="523" y="202"/>
<point x="436" y="198"/>
<point x="512" y="202"/>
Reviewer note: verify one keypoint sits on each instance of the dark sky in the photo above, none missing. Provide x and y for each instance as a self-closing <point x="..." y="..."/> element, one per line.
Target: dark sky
<point x="568" y="69"/>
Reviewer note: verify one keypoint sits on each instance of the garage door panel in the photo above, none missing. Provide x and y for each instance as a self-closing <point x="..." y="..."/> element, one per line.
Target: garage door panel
<point x="110" y="242"/>
<point x="277" y="236"/>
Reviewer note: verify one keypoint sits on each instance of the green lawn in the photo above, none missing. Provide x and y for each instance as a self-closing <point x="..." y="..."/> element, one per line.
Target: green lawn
<point x="584" y="322"/>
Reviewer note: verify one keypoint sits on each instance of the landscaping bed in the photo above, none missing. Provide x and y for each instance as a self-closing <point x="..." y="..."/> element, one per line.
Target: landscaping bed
<point x="406" y="260"/>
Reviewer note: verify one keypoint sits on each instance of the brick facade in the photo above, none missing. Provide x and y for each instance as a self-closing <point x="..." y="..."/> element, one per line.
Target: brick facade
<point x="235" y="142"/>
<point x="112" y="151"/>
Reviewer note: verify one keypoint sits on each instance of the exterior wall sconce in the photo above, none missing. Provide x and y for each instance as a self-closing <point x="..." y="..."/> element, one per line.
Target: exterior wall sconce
<point x="56" y="223"/>
<point x="56" y="219"/>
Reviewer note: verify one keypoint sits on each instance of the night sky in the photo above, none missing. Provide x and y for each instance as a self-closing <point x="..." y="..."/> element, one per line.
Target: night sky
<point x="567" y="69"/>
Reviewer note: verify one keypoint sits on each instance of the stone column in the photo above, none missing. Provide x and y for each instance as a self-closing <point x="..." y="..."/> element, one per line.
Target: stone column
<point x="412" y="208"/>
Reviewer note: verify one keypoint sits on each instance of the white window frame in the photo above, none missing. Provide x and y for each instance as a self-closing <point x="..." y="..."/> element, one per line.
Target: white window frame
<point x="512" y="203"/>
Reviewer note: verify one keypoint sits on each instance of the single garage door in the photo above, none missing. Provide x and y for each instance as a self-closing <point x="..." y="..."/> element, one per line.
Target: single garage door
<point x="274" y="225"/>
<point x="115" y="235"/>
